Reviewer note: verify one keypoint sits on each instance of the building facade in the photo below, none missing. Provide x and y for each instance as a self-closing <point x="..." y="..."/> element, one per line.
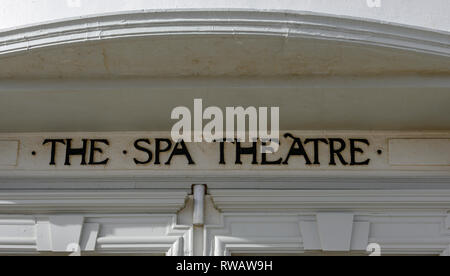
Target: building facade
<point x="87" y="165"/>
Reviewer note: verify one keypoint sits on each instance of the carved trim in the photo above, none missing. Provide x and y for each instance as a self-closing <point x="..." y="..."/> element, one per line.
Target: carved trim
<point x="224" y="22"/>
<point x="225" y="246"/>
<point x="92" y="201"/>
<point x="401" y="222"/>
<point x="307" y="200"/>
<point x="226" y="180"/>
<point x="36" y="234"/>
<point x="178" y="240"/>
<point x="219" y="240"/>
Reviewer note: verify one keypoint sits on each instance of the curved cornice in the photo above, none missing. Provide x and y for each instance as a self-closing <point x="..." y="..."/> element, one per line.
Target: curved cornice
<point x="225" y="22"/>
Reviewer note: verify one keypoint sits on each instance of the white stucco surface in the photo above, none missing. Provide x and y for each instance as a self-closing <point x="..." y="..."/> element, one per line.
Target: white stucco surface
<point x="431" y="14"/>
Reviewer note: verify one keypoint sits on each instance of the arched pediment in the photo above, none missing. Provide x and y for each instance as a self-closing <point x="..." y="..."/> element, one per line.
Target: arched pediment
<point x="220" y="43"/>
<point x="323" y="71"/>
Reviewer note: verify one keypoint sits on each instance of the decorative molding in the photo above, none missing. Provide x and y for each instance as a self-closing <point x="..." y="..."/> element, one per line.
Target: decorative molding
<point x="280" y="233"/>
<point x="65" y="230"/>
<point x="254" y="229"/>
<point x="277" y="233"/>
<point x="17" y="234"/>
<point x="313" y="200"/>
<point x="132" y="180"/>
<point x="253" y="233"/>
<point x="127" y="234"/>
<point x="62" y="221"/>
<point x="91" y="201"/>
<point x="225" y="246"/>
<point x="225" y="22"/>
<point x="95" y="234"/>
<point x="311" y="222"/>
<point x="89" y="236"/>
<point x="335" y="232"/>
<point x="173" y="246"/>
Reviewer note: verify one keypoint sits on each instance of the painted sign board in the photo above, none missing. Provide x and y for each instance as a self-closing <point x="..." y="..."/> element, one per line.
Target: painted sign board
<point x="299" y="150"/>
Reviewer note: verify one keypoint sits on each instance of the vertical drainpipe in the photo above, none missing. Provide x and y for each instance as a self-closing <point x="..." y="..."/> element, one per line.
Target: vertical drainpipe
<point x="199" y="205"/>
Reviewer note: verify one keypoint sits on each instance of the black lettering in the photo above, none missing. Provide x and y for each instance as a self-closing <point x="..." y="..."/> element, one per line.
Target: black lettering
<point x="296" y="149"/>
<point x="183" y="151"/>
<point x="158" y="149"/>
<point x="77" y="151"/>
<point x="354" y="150"/>
<point x="141" y="148"/>
<point x="222" y="153"/>
<point x="316" y="148"/>
<point x="337" y="152"/>
<point x="251" y="150"/>
<point x="94" y="149"/>
<point x="264" y="158"/>
<point x="53" y="151"/>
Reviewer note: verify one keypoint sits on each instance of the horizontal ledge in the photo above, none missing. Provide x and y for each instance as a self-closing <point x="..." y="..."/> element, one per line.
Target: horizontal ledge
<point x="117" y="201"/>
<point x="225" y="22"/>
<point x="229" y="180"/>
<point x="234" y="193"/>
<point x="17" y="241"/>
<point x="240" y="200"/>
<point x="135" y="178"/>
<point x="57" y="85"/>
<point x="154" y="241"/>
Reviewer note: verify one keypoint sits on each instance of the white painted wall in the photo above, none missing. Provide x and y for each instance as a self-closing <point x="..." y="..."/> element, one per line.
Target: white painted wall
<point x="429" y="14"/>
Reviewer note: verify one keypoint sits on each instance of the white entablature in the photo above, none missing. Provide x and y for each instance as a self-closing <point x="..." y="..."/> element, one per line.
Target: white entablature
<point x="363" y="66"/>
